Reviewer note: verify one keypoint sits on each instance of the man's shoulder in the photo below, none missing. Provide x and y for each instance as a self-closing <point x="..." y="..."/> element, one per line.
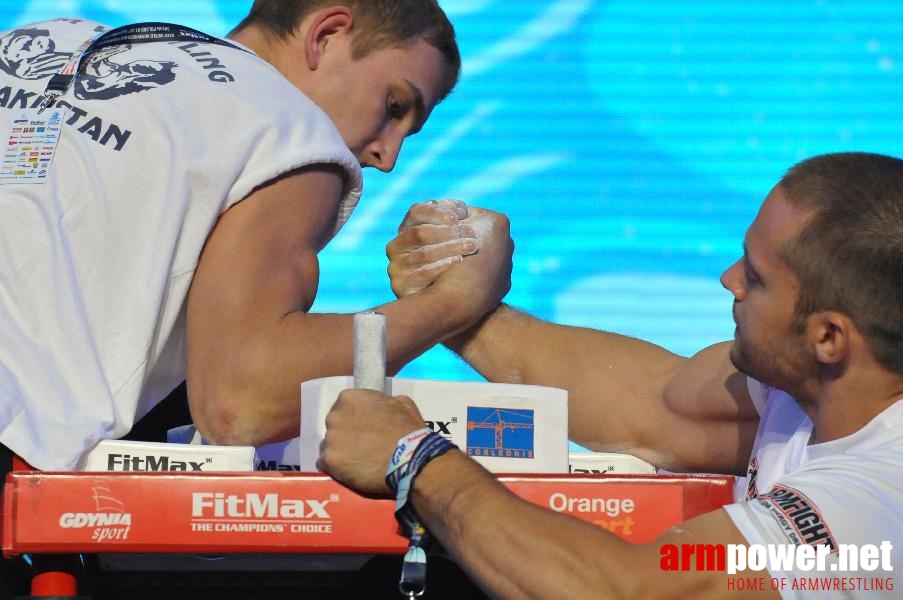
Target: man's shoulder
<point x="885" y="431"/>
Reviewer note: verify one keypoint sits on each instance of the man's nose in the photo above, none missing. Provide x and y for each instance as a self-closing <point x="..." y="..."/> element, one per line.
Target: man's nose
<point x="382" y="154"/>
<point x="732" y="280"/>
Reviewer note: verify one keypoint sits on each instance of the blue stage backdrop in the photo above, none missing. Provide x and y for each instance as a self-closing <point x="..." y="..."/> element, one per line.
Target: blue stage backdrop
<point x="630" y="143"/>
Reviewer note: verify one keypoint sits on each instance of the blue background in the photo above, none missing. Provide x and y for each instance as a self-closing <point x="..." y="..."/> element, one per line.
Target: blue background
<point x="630" y="143"/>
<point x="483" y="423"/>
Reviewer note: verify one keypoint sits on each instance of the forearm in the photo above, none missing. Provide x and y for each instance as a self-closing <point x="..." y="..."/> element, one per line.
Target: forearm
<point x="417" y="322"/>
<point x="514" y="549"/>
<point x="624" y="394"/>
<point x="318" y="345"/>
<point x="605" y="374"/>
<point x="247" y="390"/>
<point x="511" y="346"/>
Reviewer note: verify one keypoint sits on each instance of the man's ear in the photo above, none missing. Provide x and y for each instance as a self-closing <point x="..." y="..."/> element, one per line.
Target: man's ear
<point x="324" y="26"/>
<point x="830" y="333"/>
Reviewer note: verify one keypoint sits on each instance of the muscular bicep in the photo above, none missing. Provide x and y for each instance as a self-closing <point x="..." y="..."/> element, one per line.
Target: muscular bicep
<point x="713" y="419"/>
<point x="259" y="265"/>
<point x="624" y="394"/>
<point x="682" y="414"/>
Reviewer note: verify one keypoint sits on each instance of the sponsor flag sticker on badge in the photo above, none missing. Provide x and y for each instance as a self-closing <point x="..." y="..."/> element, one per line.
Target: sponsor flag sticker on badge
<point x="30" y="143"/>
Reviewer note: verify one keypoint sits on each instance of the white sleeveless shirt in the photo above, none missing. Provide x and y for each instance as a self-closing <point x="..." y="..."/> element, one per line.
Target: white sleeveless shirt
<point x="95" y="263"/>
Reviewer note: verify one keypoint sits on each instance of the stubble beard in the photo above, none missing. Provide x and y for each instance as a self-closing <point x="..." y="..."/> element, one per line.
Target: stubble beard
<point x="782" y="362"/>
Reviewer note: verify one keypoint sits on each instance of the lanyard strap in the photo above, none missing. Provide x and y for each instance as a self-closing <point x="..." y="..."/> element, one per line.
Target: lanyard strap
<point x="411" y="455"/>
<point x="137" y="33"/>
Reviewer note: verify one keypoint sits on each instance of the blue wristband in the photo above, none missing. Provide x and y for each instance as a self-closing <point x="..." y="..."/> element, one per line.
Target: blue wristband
<point x="411" y="454"/>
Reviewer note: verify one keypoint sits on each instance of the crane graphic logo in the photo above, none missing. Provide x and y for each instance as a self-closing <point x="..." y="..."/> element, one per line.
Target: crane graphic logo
<point x="500" y="432"/>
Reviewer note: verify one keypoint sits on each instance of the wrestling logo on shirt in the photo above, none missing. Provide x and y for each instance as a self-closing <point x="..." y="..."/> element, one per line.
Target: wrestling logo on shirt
<point x="31" y="53"/>
<point x="752" y="473"/>
<point x="798" y="517"/>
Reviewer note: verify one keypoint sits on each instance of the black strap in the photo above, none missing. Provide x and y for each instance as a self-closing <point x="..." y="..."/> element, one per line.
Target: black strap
<point x="137" y="33"/>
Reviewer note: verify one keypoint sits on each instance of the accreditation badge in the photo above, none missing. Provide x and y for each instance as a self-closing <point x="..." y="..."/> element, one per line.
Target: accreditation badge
<point x="29" y="139"/>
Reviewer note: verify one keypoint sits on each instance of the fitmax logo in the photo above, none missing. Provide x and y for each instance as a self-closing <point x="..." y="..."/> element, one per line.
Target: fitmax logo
<point x="442" y="427"/>
<point x="267" y="506"/>
<point x="608" y="469"/>
<point x="272" y="465"/>
<point x="150" y="462"/>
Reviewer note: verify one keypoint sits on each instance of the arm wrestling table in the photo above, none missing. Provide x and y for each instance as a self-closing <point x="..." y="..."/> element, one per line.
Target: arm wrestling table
<point x="266" y="515"/>
<point x="263" y="516"/>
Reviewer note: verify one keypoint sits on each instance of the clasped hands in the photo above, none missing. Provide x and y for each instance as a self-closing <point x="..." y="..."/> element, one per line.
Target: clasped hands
<point x="463" y="254"/>
<point x="436" y="236"/>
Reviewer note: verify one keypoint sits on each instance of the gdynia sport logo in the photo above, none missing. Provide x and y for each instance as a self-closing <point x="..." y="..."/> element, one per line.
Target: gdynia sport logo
<point x="824" y="567"/>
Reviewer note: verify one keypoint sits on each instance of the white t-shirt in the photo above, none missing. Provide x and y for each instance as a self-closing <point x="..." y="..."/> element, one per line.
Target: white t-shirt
<point x="160" y="139"/>
<point x="846" y="491"/>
